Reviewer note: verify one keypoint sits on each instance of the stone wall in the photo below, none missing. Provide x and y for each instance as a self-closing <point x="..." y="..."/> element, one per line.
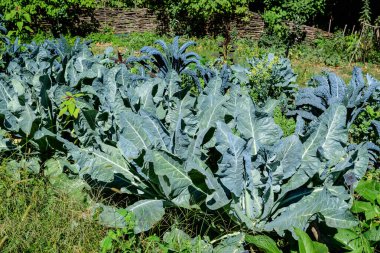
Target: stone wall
<point x="142" y="20"/>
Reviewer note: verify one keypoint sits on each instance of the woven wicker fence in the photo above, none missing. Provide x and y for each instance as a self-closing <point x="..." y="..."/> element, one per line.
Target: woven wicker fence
<point x="142" y="20"/>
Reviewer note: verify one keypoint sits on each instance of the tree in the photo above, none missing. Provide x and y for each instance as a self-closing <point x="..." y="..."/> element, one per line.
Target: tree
<point x="27" y="16"/>
<point x="278" y="12"/>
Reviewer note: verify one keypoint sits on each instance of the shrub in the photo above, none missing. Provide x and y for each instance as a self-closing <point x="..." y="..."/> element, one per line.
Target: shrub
<point x="28" y="16"/>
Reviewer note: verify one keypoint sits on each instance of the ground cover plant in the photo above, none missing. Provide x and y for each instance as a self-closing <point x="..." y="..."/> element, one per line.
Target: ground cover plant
<point x="365" y="237"/>
<point x="140" y="127"/>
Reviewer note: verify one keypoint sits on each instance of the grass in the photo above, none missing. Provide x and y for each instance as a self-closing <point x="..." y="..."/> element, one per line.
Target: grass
<point x="35" y="217"/>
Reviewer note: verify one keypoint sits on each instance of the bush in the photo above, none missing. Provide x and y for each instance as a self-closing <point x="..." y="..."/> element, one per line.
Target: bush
<point x="351" y="47"/>
<point x="28" y="16"/>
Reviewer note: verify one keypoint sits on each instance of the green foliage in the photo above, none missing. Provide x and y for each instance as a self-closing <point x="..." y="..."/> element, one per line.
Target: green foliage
<point x="359" y="46"/>
<point x="25" y="16"/>
<point x="4" y="40"/>
<point x="174" y="240"/>
<point x="69" y="105"/>
<point x="306" y="245"/>
<point x="119" y="3"/>
<point x="122" y="239"/>
<point x="299" y="12"/>
<point x="263" y="242"/>
<point x="196" y="17"/>
<point x="337" y="48"/>
<point x="290" y="9"/>
<point x="363" y="129"/>
<point x="288" y="125"/>
<point x="365" y="14"/>
<point x="206" y="9"/>
<point x="328" y="89"/>
<point x="172" y="59"/>
<point x="130" y="43"/>
<point x="22" y="20"/>
<point x="366" y="236"/>
<point x="271" y="77"/>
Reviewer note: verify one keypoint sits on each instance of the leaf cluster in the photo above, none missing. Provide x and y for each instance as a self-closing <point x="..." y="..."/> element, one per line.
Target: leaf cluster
<point x="365" y="237"/>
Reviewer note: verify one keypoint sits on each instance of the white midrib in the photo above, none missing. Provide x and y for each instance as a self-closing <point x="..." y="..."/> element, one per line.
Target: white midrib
<point x="119" y="166"/>
<point x="213" y="112"/>
<point x="143" y="203"/>
<point x="175" y="168"/>
<point x="288" y="149"/>
<point x="312" y="142"/>
<point x="137" y="133"/>
<point x="158" y="131"/>
<point x="253" y="134"/>
<point x="331" y="125"/>
<point x="5" y="91"/>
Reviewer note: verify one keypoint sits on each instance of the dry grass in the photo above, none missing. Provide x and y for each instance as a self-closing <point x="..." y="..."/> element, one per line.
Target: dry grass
<point x="36" y="218"/>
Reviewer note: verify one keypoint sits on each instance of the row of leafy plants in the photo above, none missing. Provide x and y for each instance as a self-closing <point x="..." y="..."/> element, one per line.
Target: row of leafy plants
<point x="166" y="132"/>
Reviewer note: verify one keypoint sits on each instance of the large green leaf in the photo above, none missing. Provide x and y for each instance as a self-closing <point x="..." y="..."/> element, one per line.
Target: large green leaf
<point x="156" y="131"/>
<point x="73" y="186"/>
<point x="323" y="202"/>
<point x="260" y="129"/>
<point x="147" y="213"/>
<point x="288" y="157"/>
<point x="373" y="234"/>
<point x="231" y="243"/>
<point x="263" y="242"/>
<point x="306" y="245"/>
<point x="201" y="174"/>
<point x="361" y="162"/>
<point x="172" y="83"/>
<point x="353" y="241"/>
<point x="26" y="120"/>
<point x="324" y="142"/>
<point x="369" y="190"/>
<point x="107" y="166"/>
<point x="143" y="95"/>
<point x="211" y="109"/>
<point x="174" y="180"/>
<point x="182" y="122"/>
<point x="231" y="166"/>
<point x="133" y="138"/>
<point x="179" y="241"/>
<point x="329" y="134"/>
<point x="110" y="216"/>
<point x="336" y="135"/>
